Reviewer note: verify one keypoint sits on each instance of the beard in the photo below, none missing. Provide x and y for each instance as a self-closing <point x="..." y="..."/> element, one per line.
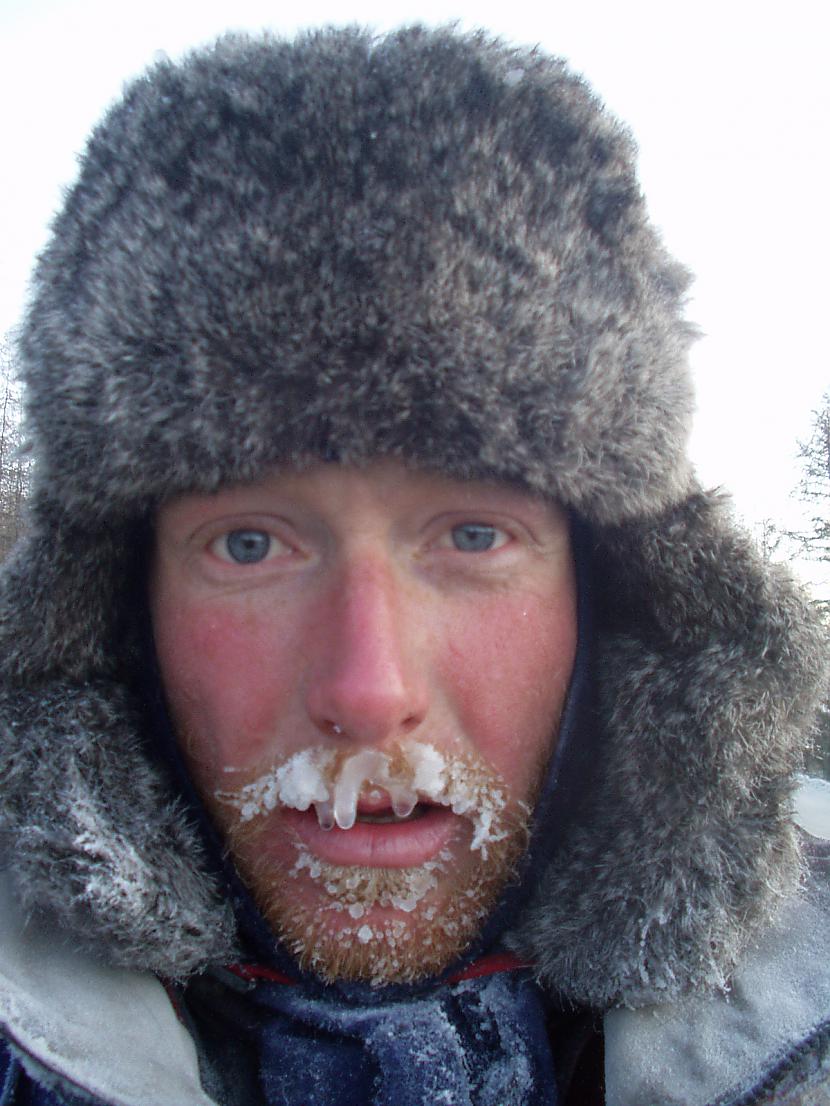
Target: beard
<point x="383" y="925"/>
<point x="379" y="925"/>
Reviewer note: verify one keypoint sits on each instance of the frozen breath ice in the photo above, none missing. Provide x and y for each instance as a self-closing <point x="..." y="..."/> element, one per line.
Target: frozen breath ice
<point x="333" y="783"/>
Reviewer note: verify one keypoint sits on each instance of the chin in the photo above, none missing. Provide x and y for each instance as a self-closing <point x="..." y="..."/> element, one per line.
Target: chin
<point x="384" y="925"/>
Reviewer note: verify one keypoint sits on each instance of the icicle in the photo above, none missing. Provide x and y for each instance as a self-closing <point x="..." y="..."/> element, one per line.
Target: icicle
<point x="367" y="766"/>
<point x="325" y="814"/>
<point x="404" y="801"/>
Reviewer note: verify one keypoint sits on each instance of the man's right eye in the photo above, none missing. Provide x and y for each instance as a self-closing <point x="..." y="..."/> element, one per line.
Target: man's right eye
<point x="245" y="547"/>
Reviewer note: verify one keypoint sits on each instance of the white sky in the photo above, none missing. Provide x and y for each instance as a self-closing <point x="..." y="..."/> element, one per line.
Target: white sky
<point x="728" y="99"/>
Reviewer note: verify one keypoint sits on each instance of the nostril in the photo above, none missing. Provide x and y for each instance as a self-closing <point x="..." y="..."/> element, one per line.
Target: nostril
<point x="332" y="729"/>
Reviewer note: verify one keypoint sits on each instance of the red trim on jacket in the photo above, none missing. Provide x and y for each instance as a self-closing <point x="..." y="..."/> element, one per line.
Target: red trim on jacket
<point x="485" y="965"/>
<point x="251" y="972"/>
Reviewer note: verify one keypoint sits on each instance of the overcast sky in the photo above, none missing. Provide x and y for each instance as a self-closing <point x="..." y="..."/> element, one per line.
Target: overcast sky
<point x="729" y="103"/>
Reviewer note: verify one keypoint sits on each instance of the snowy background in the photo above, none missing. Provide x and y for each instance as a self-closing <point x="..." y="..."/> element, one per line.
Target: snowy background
<point x="728" y="101"/>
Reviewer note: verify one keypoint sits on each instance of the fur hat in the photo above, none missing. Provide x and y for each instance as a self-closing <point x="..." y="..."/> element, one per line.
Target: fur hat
<point x="429" y="246"/>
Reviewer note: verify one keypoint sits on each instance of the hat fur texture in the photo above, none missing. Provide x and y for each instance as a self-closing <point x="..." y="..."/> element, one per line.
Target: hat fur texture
<point x="430" y="246"/>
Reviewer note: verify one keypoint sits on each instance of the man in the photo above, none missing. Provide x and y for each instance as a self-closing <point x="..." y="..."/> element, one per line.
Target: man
<point x="388" y="716"/>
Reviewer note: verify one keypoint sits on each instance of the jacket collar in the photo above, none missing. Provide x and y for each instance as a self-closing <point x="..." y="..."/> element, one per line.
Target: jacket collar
<point x="721" y="1047"/>
<point x="71" y="1014"/>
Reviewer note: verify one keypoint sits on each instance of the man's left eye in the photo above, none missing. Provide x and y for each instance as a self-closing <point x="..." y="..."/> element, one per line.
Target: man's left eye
<point x="476" y="537"/>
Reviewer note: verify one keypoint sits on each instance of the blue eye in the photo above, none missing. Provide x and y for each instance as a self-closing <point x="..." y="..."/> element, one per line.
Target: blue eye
<point x="248" y="547"/>
<point x="474" y="537"/>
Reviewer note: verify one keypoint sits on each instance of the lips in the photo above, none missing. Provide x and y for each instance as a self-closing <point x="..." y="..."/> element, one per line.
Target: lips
<point x="378" y="838"/>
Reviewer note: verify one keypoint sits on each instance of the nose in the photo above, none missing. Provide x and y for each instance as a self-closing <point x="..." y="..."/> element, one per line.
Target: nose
<point x="365" y="681"/>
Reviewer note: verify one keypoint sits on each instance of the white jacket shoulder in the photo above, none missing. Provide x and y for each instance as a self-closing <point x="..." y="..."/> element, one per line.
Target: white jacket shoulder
<point x="74" y="1015"/>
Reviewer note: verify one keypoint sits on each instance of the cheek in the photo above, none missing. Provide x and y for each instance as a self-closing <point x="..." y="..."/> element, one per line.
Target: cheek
<point x="509" y="668"/>
<point x="228" y="679"/>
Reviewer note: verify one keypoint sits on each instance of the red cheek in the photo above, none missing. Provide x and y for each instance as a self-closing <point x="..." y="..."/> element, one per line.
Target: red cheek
<point x="228" y="677"/>
<point x="508" y="670"/>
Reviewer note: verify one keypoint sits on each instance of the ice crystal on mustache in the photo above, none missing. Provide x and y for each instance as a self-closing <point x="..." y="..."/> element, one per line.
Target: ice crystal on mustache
<point x="332" y="782"/>
<point x="297" y="783"/>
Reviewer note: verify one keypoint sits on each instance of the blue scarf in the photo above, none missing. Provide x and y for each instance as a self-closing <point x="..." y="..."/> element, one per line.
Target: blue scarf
<point x="476" y="1042"/>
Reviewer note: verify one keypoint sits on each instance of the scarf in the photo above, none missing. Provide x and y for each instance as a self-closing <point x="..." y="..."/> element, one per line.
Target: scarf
<point x="478" y="1039"/>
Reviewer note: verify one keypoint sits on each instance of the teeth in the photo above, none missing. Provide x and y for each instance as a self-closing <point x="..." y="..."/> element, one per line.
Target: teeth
<point x="386" y="818"/>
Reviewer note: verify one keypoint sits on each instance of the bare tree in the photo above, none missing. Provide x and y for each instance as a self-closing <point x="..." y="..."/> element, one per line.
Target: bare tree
<point x="814" y="487"/>
<point x="814" y="542"/>
<point x="14" y="469"/>
<point x="770" y="538"/>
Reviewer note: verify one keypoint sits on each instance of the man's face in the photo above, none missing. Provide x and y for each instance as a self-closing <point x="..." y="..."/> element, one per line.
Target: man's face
<point x="400" y="615"/>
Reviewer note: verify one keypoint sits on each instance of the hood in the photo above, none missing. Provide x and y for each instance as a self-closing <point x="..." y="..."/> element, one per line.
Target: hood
<point x="428" y="246"/>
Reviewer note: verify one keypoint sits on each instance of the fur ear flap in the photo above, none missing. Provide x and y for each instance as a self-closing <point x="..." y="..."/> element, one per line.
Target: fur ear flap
<point x="708" y="669"/>
<point x="95" y="835"/>
<point x="70" y="598"/>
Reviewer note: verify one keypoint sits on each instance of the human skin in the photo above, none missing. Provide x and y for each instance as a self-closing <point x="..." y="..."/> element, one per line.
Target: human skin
<point x="373" y="606"/>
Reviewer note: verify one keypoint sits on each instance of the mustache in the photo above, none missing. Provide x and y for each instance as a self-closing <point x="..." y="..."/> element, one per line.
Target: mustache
<point x="333" y="781"/>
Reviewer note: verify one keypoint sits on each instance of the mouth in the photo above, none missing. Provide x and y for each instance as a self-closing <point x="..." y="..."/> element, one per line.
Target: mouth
<point x="377" y="797"/>
<point x="378" y="837"/>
